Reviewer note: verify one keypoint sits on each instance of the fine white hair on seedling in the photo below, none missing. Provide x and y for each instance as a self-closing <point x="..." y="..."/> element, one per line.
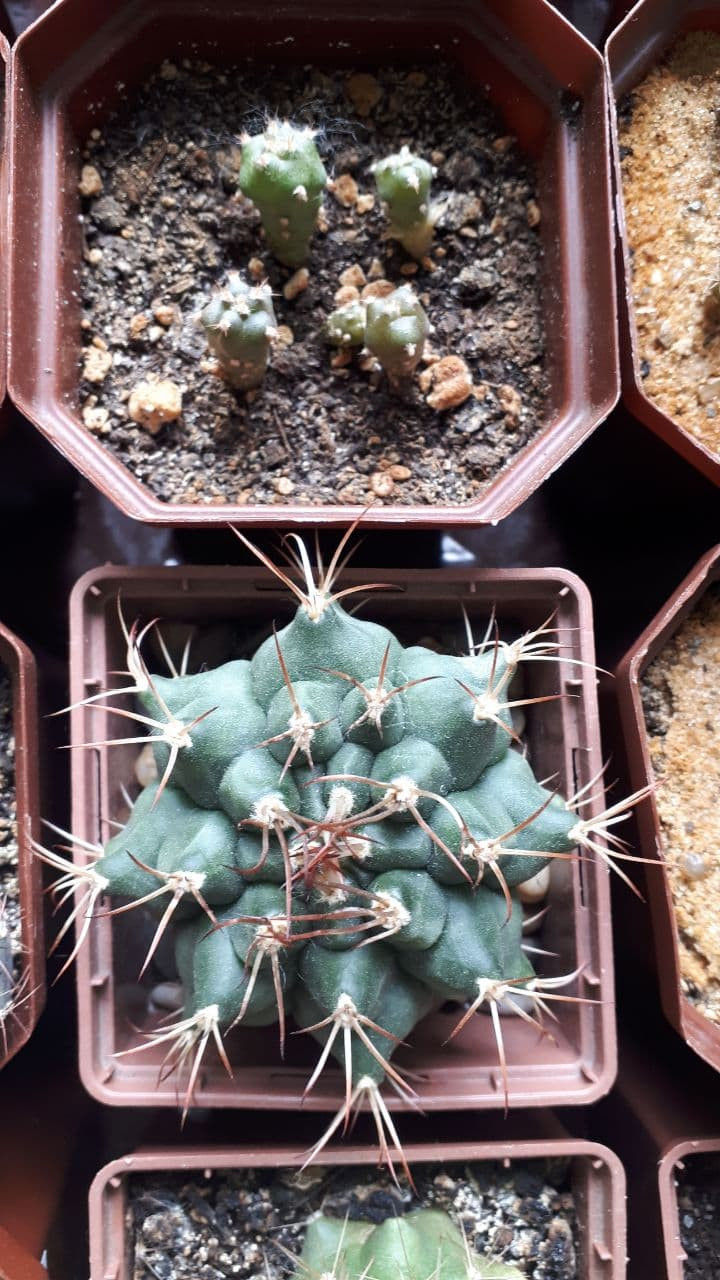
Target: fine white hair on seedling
<point x="187" y="1040"/>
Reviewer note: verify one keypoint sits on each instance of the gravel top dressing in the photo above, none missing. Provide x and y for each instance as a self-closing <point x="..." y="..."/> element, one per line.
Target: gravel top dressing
<point x="242" y="1223"/>
<point x="668" y="131"/>
<point x="10" y="923"/>
<point x="681" y="703"/>
<point x="164" y="225"/>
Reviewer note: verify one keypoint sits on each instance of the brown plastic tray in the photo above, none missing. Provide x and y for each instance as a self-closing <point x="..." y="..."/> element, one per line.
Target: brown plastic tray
<point x="20" y="664"/>
<point x="68" y="70"/>
<point x="635" y="46"/>
<point x="701" y="1034"/>
<point x="5" y="64"/>
<point x="598" y="1184"/>
<point x="564" y="742"/>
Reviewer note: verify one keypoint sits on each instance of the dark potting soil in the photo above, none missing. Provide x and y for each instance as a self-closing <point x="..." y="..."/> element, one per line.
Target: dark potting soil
<point x="698" y="1183"/>
<point x="239" y="1223"/>
<point x="10" y="924"/>
<point x="167" y="224"/>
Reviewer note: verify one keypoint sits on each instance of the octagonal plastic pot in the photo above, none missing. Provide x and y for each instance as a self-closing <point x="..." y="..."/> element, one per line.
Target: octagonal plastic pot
<point x="576" y="1067"/>
<point x="19" y="664"/>
<point x="597" y="1179"/>
<point x="701" y="1034"/>
<point x="70" y="70"/>
<point x="636" y="45"/>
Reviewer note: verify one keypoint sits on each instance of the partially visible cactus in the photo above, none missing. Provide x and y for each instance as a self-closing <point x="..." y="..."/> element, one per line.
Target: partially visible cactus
<point x="395" y="333"/>
<point x="423" y="1245"/>
<point x="282" y="173"/>
<point x="239" y="322"/>
<point x="403" y="183"/>
<point x="345" y="327"/>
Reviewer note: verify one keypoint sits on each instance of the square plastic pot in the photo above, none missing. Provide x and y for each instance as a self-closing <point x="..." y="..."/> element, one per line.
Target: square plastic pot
<point x="701" y="1034"/>
<point x="19" y="663"/>
<point x="4" y="213"/>
<point x="672" y="1158"/>
<point x="70" y="69"/>
<point x="576" y="1068"/>
<point x="598" y="1186"/>
<point x="637" y="45"/>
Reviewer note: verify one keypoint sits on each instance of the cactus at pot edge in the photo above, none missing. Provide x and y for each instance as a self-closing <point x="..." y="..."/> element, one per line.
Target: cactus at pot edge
<point x="282" y="173"/>
<point x="423" y="1245"/>
<point x="395" y="331"/>
<point x="403" y="183"/>
<point x="239" y="323"/>
<point x="337" y="831"/>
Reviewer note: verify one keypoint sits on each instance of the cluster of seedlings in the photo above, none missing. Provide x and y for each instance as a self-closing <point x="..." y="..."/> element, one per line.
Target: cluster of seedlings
<point x="282" y="173"/>
<point x="340" y="828"/>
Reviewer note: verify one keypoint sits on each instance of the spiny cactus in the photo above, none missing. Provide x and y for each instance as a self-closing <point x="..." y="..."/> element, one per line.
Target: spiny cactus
<point x="282" y="173"/>
<point x="395" y="331"/>
<point x="423" y="1245"/>
<point x="403" y="183"/>
<point x="337" y="831"/>
<point x="239" y="323"/>
<point x="345" y="327"/>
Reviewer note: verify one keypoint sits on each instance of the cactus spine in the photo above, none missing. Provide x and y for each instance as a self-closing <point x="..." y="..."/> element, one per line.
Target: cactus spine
<point x="239" y="323"/>
<point x="282" y="173"/>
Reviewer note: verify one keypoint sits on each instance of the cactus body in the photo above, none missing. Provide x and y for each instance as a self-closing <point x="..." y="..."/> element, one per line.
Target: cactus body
<point x="283" y="175"/>
<point x="403" y="183"/>
<point x="239" y="323"/>
<point x="345" y="327"/>
<point x="342" y="790"/>
<point x="395" y="333"/>
<point x="417" y="1246"/>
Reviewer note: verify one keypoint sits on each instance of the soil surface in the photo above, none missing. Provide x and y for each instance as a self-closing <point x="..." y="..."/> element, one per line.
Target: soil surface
<point x="681" y="701"/>
<point x="239" y="1224"/>
<point x="699" y="1210"/>
<point x="164" y="224"/>
<point x="10" y="924"/>
<point x="668" y="131"/>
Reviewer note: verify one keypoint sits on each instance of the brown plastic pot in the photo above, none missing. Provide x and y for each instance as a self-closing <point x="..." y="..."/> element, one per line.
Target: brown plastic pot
<point x="635" y="46"/>
<point x="577" y="1068"/>
<point x="698" y="1031"/>
<point x="598" y="1184"/>
<point x="5" y="64"/>
<point x="671" y="1159"/>
<point x="18" y="661"/>
<point x="70" y="67"/>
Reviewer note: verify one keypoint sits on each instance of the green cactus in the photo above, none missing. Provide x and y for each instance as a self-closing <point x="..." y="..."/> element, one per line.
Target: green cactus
<point x="423" y="1245"/>
<point x="403" y="183"/>
<point x="336" y="832"/>
<point x="239" y="323"/>
<point x="345" y="327"/>
<point x="283" y="175"/>
<point x="395" y="333"/>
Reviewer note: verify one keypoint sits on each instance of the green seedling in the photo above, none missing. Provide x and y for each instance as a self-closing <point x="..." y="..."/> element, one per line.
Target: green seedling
<point x="403" y="183"/>
<point x="282" y="173"/>
<point x="239" y="323"/>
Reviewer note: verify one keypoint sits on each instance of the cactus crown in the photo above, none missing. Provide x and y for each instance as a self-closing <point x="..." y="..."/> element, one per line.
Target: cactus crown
<point x="403" y="183"/>
<point x="239" y="323"/>
<point x="423" y="1245"/>
<point x="282" y="173"/>
<point x="338" y="830"/>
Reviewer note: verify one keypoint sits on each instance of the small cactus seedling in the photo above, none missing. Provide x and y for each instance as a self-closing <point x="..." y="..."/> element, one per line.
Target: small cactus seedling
<point x="423" y="1245"/>
<point x="395" y="333"/>
<point x="345" y="327"/>
<point x="338" y="831"/>
<point x="282" y="173"/>
<point x="403" y="183"/>
<point x="239" y="323"/>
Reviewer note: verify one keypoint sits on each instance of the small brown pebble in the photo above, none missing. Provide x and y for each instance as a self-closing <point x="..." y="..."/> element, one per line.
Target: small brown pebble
<point x="145" y="767"/>
<point x="416" y="78"/>
<point x="533" y="213"/>
<point x="345" y="190"/>
<point x="378" y="289"/>
<point x="365" y="202"/>
<point x="96" y="419"/>
<point x="256" y="268"/>
<point x="152" y="403"/>
<point x="283" y="485"/>
<point x="353" y="275"/>
<point x="509" y="399"/>
<point x="90" y="183"/>
<point x="94" y="256"/>
<point x="296" y="284"/>
<point x="340" y="359"/>
<point x="451" y="383"/>
<point x="284" y="336"/>
<point x="127" y="233"/>
<point x="399" y="472"/>
<point x="503" y="144"/>
<point x="348" y="293"/>
<point x="437" y="157"/>
<point x="96" y="364"/>
<point x="382" y="484"/>
<point x="138" y="323"/>
<point x="363" y="91"/>
<point x="409" y="269"/>
<point x="164" y="314"/>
